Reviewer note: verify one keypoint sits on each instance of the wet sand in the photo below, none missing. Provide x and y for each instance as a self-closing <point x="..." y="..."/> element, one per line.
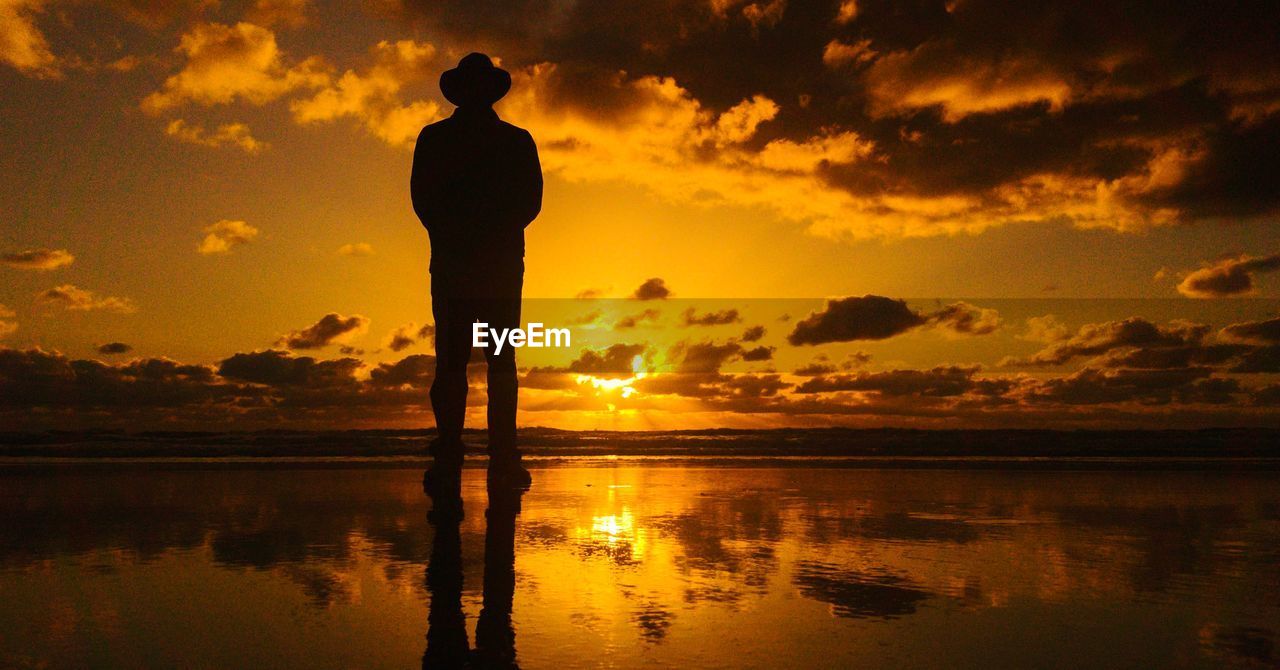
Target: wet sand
<point x="641" y="565"/>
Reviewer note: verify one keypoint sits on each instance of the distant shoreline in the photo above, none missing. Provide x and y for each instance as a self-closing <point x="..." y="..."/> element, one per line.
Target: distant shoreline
<point x="834" y="447"/>
<point x="31" y="465"/>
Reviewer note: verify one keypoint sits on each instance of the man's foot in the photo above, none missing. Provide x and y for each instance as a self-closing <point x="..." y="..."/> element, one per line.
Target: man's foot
<point x="444" y="477"/>
<point x="509" y="473"/>
<point x="443" y="480"/>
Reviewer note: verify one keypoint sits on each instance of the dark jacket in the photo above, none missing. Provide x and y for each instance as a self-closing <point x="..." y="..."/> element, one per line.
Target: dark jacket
<point x="476" y="184"/>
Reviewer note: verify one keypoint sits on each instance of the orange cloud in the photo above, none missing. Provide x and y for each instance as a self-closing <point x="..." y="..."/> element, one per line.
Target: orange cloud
<point x="660" y="140"/>
<point x="77" y="299"/>
<point x="234" y="134"/>
<point x="658" y="136"/>
<point x="226" y="63"/>
<point x="848" y="11"/>
<point x="927" y="76"/>
<point x="373" y="95"/>
<point x="22" y="45"/>
<point x="224" y="235"/>
<point x="839" y="53"/>
<point x="38" y="259"/>
<point x="356" y="249"/>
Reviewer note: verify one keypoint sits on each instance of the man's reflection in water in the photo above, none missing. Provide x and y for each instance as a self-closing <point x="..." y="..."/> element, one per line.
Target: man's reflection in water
<point x="495" y="636"/>
<point x="447" y="645"/>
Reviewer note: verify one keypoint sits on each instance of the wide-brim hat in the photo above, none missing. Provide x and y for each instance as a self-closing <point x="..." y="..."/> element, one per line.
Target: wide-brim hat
<point x="475" y="81"/>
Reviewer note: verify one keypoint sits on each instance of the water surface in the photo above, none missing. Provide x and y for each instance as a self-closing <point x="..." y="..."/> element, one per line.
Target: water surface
<point x="641" y="566"/>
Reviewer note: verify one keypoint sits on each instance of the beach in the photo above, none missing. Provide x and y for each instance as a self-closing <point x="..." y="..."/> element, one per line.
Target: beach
<point x="641" y="564"/>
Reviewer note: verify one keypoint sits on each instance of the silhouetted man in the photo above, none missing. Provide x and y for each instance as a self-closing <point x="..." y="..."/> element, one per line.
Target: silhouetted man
<point x="476" y="184"/>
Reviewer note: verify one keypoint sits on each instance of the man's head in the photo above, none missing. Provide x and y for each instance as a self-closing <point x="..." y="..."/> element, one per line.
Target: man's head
<point x="475" y="82"/>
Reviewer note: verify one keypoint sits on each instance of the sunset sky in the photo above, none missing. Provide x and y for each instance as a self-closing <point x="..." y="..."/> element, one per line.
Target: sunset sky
<point x="205" y="217"/>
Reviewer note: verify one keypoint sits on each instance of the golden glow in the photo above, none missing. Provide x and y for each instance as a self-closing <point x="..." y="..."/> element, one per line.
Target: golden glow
<point x="265" y="187"/>
<point x="623" y="386"/>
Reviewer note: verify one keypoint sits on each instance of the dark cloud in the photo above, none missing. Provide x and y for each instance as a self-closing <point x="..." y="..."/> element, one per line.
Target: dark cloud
<point x="331" y="328"/>
<point x="38" y="259"/>
<point x="703" y="356"/>
<point x="856" y="359"/>
<point x="940" y="381"/>
<point x="1238" y="170"/>
<point x="961" y="317"/>
<point x="819" y="366"/>
<point x="1177" y="356"/>
<point x="713" y="386"/>
<point x="873" y="317"/>
<point x="259" y="389"/>
<point x="1227" y="277"/>
<point x="36" y="378"/>
<point x="822" y="364"/>
<point x="1170" y="107"/>
<point x="1098" y="338"/>
<point x="1264" y="359"/>
<point x="753" y="334"/>
<point x="687" y="384"/>
<point x="280" y="368"/>
<point x="1157" y="387"/>
<point x="1267" y="396"/>
<point x="415" y="371"/>
<point x="275" y="388"/>
<point x="1137" y="345"/>
<point x="652" y="289"/>
<point x="398" y="341"/>
<point x="408" y="335"/>
<point x="114" y="348"/>
<point x="756" y="354"/>
<point x="616" y="359"/>
<point x="1069" y="78"/>
<point x="634" y="320"/>
<point x="870" y="317"/>
<point x="690" y="317"/>
<point x="1266" y="332"/>
<point x="753" y="386"/>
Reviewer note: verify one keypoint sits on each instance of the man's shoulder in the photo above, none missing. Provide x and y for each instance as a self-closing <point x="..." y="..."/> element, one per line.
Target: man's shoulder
<point x="434" y="136"/>
<point x="436" y="127"/>
<point x="514" y="131"/>
<point x="450" y="128"/>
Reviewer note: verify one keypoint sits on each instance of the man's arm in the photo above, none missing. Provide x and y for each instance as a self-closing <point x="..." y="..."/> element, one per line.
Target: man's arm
<point x="528" y="182"/>
<point x="423" y="182"/>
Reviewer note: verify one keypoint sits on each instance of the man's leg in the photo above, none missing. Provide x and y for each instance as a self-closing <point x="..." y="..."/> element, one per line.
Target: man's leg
<point x="453" y="351"/>
<point x="505" y="468"/>
<point x="503" y="312"/>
